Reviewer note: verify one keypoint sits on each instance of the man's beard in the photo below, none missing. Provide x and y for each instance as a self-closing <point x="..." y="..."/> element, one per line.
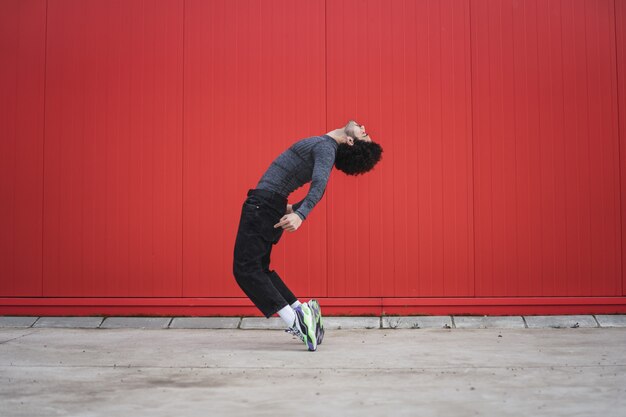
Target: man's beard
<point x="358" y="158"/>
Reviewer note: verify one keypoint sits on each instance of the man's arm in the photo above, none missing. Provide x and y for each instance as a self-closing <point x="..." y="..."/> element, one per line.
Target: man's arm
<point x="324" y="160"/>
<point x="296" y="206"/>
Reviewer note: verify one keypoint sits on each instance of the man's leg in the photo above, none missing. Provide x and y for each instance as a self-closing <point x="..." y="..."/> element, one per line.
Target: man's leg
<point x="249" y="253"/>
<point x="253" y="245"/>
<point x="279" y="284"/>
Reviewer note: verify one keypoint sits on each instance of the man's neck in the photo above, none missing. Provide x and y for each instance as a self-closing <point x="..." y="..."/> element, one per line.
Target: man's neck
<point x="339" y="135"/>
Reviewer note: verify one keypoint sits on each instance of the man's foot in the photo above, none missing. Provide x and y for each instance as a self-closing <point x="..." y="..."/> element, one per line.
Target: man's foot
<point x="304" y="326"/>
<point x="319" y="322"/>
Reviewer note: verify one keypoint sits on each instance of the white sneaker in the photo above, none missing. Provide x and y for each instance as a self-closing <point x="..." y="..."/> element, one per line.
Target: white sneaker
<point x="304" y="326"/>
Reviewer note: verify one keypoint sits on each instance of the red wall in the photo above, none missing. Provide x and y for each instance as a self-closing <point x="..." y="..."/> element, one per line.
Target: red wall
<point x="131" y="131"/>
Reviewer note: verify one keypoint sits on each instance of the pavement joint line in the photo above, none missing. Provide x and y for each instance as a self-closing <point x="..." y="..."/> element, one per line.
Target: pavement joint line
<point x="169" y="323"/>
<point x="525" y="324"/>
<point x="597" y="322"/>
<point x="32" y="325"/>
<point x="18" y="337"/>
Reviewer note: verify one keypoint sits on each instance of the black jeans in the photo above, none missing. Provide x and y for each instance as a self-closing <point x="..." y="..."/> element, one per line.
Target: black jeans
<point x="255" y="237"/>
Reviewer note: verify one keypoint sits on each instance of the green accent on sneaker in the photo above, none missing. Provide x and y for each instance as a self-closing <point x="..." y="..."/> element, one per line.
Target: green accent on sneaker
<point x="319" y="323"/>
<point x="309" y="321"/>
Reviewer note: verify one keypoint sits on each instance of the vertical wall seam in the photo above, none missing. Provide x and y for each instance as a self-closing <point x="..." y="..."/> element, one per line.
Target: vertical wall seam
<point x="589" y="204"/>
<point x="563" y="120"/>
<point x="471" y="93"/>
<point x="15" y="138"/>
<point x="326" y="127"/>
<point x="182" y="172"/>
<point x="619" y="154"/>
<point x="43" y="149"/>
<point x="538" y="125"/>
<point x="442" y="168"/>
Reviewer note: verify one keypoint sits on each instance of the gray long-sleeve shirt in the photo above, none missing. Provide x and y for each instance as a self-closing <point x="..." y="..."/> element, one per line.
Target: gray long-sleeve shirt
<point x="309" y="159"/>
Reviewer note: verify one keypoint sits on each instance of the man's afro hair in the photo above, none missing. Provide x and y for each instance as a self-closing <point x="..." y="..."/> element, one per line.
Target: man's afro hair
<point x="359" y="158"/>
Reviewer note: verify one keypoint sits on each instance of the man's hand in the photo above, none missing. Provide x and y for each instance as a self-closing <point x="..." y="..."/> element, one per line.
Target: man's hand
<point x="289" y="222"/>
<point x="289" y="209"/>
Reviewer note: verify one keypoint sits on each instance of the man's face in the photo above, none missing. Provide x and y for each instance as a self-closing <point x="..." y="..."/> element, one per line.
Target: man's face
<point x="357" y="131"/>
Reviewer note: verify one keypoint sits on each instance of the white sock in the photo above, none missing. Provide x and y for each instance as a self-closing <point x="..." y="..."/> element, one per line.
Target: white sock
<point x="288" y="315"/>
<point x="296" y="304"/>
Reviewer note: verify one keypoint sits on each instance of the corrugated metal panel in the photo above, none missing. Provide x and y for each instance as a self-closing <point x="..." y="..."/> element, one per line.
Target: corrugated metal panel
<point x="113" y="149"/>
<point x="546" y="151"/>
<point x="22" y="74"/>
<point x="500" y="179"/>
<point x="403" y="70"/>
<point x="254" y="83"/>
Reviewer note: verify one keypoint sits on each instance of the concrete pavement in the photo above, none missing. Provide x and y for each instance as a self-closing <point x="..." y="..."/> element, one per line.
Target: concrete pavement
<point x="124" y="371"/>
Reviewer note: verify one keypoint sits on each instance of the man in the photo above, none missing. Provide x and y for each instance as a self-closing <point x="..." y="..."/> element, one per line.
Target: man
<point x="265" y="214"/>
